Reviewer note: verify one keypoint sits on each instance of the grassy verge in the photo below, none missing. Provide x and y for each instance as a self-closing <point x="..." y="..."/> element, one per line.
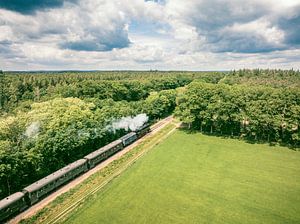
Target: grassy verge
<point x="48" y="213"/>
<point x="194" y="178"/>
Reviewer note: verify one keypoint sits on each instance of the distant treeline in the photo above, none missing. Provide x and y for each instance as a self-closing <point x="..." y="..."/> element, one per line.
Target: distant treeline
<point x="266" y="77"/>
<point x="21" y="89"/>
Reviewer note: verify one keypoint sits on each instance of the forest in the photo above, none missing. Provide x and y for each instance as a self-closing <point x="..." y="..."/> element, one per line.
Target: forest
<point x="49" y="119"/>
<point x="256" y="105"/>
<point x="256" y="113"/>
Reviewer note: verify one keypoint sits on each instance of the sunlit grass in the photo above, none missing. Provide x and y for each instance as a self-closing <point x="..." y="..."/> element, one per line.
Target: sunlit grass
<point x="193" y="178"/>
<point x="48" y="213"/>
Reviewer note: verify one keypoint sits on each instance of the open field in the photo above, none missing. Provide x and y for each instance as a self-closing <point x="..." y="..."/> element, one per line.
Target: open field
<point x="193" y="178"/>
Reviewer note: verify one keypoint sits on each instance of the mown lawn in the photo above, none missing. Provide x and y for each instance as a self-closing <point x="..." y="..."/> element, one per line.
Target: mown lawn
<point x="193" y="178"/>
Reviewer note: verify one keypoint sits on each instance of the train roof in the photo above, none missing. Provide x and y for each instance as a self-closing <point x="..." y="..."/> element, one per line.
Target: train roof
<point x="10" y="199"/>
<point x="57" y="174"/>
<point x="103" y="149"/>
<point x="143" y="127"/>
<point x="128" y="135"/>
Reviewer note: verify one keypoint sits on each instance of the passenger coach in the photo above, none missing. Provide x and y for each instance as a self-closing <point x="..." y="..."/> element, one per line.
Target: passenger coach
<point x="12" y="204"/>
<point x="129" y="138"/>
<point x="42" y="187"/>
<point x="103" y="153"/>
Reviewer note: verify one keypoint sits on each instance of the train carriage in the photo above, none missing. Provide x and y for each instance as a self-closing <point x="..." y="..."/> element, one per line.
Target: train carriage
<point x="129" y="138"/>
<point x="42" y="187"/>
<point x="12" y="204"/>
<point x="101" y="154"/>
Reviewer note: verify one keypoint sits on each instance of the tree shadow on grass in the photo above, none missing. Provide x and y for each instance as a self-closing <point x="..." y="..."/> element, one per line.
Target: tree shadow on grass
<point x="186" y="130"/>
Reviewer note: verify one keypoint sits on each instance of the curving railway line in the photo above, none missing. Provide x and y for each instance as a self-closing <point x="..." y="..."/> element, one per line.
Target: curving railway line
<point x="70" y="207"/>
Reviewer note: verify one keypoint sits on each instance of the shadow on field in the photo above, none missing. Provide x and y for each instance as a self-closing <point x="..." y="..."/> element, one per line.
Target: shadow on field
<point x="247" y="140"/>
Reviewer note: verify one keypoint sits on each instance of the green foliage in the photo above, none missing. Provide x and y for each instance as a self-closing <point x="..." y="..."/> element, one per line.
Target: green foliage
<point x="160" y="104"/>
<point x="2" y="91"/>
<point x="18" y="87"/>
<point x="267" y="77"/>
<point x="255" y="113"/>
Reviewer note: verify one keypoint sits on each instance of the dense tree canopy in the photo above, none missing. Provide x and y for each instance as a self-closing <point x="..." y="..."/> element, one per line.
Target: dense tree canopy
<point x="19" y="90"/>
<point x="267" y="77"/>
<point x="256" y="113"/>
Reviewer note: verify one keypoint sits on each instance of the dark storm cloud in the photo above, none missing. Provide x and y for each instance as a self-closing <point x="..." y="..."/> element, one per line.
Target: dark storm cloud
<point x="102" y="40"/>
<point x="74" y="27"/>
<point x="242" y="43"/>
<point x="212" y="15"/>
<point x="291" y="26"/>
<point x="7" y="50"/>
<point x="5" y="47"/>
<point x="213" y="19"/>
<point x="242" y="26"/>
<point x="94" y="45"/>
<point x="30" y="6"/>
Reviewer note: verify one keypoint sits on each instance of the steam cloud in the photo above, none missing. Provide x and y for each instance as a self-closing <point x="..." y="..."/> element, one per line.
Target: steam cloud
<point x="33" y="129"/>
<point x="128" y="123"/>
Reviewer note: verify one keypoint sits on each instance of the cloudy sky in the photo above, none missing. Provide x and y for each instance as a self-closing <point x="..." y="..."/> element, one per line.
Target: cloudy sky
<point x="138" y="34"/>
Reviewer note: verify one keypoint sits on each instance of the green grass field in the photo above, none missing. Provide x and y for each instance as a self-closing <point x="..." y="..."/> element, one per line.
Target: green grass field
<point x="193" y="178"/>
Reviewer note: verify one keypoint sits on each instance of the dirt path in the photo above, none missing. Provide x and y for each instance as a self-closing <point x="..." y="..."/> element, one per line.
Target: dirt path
<point x="35" y="208"/>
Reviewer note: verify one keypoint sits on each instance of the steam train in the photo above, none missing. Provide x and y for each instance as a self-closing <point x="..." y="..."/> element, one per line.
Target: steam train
<point x="33" y="193"/>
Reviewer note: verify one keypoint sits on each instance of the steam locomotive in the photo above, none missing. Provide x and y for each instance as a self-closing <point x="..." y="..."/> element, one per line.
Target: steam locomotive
<point x="33" y="193"/>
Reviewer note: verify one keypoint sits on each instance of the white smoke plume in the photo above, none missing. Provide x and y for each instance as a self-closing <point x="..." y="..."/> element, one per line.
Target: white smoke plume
<point x="128" y="123"/>
<point x="33" y="129"/>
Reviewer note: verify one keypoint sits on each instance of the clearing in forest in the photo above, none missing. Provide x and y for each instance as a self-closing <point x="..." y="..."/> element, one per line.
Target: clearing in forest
<point x="193" y="178"/>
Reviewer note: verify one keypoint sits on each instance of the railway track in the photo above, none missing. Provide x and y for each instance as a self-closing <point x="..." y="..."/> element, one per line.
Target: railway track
<point x="69" y="207"/>
<point x="162" y="122"/>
